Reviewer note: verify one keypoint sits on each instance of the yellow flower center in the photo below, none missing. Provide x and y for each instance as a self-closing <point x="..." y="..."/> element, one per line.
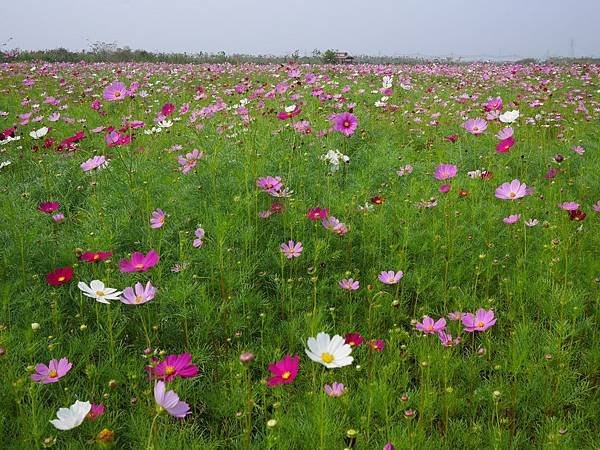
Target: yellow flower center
<point x="346" y="124"/>
<point x="391" y="280"/>
<point x="117" y="94"/>
<point x="327" y="357"/>
<point x="170" y="370"/>
<point x="480" y="324"/>
<point x="139" y="266"/>
<point x="96" y="257"/>
<point x="61" y="278"/>
<point x="161" y="219"/>
<point x="512" y="195"/>
<point x="430" y="327"/>
<point x="52" y="374"/>
<point x="286" y="375"/>
<point x="100" y="293"/>
<point x="138" y="299"/>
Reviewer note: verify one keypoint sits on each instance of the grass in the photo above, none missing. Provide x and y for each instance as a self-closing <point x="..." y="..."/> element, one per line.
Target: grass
<point x="530" y="381"/>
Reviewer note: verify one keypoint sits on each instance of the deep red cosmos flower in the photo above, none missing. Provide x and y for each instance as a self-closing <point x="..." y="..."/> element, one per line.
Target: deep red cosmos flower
<point x="59" y="276"/>
<point x="377" y="200"/>
<point x="577" y="215"/>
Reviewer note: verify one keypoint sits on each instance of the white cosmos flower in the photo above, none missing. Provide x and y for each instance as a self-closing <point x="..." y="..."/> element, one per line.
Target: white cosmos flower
<point x="98" y="291"/>
<point x="165" y="124"/>
<point x="509" y="116"/>
<point x="69" y="418"/>
<point x="290" y="109"/>
<point x="39" y="133"/>
<point x="332" y="352"/>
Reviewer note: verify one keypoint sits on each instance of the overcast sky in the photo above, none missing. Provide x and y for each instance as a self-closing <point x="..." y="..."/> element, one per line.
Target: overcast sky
<point x="484" y="28"/>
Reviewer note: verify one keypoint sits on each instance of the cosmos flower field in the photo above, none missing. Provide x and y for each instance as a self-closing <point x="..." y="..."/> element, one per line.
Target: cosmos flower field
<point x="299" y="257"/>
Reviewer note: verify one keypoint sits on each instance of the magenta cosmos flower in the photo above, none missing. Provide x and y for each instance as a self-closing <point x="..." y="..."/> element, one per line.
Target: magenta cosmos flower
<point x="475" y="126"/>
<point x="139" y="262"/>
<point x="349" y="284"/>
<point x="158" y="218"/>
<point x="115" y="91"/>
<point x="95" y="411"/>
<point x="445" y="172"/>
<point x="284" y="371"/>
<point x="481" y="321"/>
<point x="94" y="163"/>
<point x="138" y="295"/>
<point x="390" y="277"/>
<point x="314" y="214"/>
<point x="429" y="326"/>
<point x="335" y="389"/>
<point x="512" y="191"/>
<point x="505" y="145"/>
<point x="48" y="207"/>
<point x="291" y="249"/>
<point x="170" y="402"/>
<point x="51" y="373"/>
<point x="354" y="339"/>
<point x="345" y="123"/>
<point x="173" y="366"/>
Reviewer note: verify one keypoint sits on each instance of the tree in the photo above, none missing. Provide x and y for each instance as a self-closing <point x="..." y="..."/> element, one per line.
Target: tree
<point x="329" y="56"/>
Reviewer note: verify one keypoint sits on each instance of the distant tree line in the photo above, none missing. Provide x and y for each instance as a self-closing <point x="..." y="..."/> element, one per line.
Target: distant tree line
<point x="111" y="52"/>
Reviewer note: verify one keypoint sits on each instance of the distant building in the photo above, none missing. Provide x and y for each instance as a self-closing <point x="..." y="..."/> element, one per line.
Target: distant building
<point x="344" y="58"/>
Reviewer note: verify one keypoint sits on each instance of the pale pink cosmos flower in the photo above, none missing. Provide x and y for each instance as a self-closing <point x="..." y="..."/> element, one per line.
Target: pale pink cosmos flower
<point x="291" y="249"/>
<point x="445" y="171"/>
<point x="349" y="284"/>
<point x="475" y="126"/>
<point x="169" y="401"/>
<point x="578" y="149"/>
<point x="158" y="218"/>
<point x="511" y="191"/>
<point x="456" y="315"/>
<point x="115" y="92"/>
<point x="97" y="162"/>
<point x="269" y="184"/>
<point x="51" y="373"/>
<point x="189" y="161"/>
<point x="531" y="222"/>
<point x="513" y="218"/>
<point x="389" y="277"/>
<point x="58" y="217"/>
<point x="596" y="206"/>
<point x="480" y="321"/>
<point x="139" y="294"/>
<point x="569" y="206"/>
<point x="335" y="389"/>
<point x="505" y="133"/>
<point x="429" y="326"/>
<point x="198" y="242"/>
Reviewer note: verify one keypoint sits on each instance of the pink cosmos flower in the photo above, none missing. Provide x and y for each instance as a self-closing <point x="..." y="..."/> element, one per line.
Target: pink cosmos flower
<point x="173" y="366"/>
<point x="48" y="207"/>
<point x="447" y="340"/>
<point x="95" y="412"/>
<point x="569" y="206"/>
<point x="291" y="249"/>
<point x="531" y="222"/>
<point x="269" y="184"/>
<point x="390" y="277"/>
<point x="115" y="92"/>
<point x="51" y="373"/>
<point x="493" y="104"/>
<point x="289" y="112"/>
<point x="349" y="284"/>
<point x="93" y="163"/>
<point x="158" y="218"/>
<point x="96" y="105"/>
<point x="170" y="401"/>
<point x="139" y="262"/>
<point x="456" y="315"/>
<point x="513" y="218"/>
<point x="58" y="217"/>
<point x="353" y="339"/>
<point x="95" y="256"/>
<point x="284" y="371"/>
<point x="445" y="172"/>
<point x="551" y="173"/>
<point x="481" y="321"/>
<point x="138" y="295"/>
<point x="429" y="326"/>
<point x="346" y="123"/>
<point x="198" y="242"/>
<point x="475" y="126"/>
<point x="314" y="214"/>
<point x="511" y="191"/>
<point x="189" y="161"/>
<point x="377" y="344"/>
<point x="335" y="389"/>
<point x="596" y="206"/>
<point x="505" y="145"/>
<point x="444" y="188"/>
<point x="578" y="149"/>
<point x="505" y="133"/>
